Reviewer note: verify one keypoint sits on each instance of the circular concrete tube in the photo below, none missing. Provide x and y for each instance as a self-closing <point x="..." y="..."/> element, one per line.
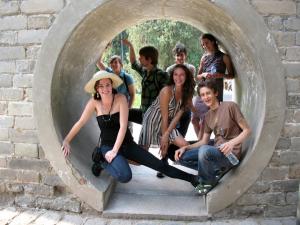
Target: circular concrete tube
<point x="80" y="33"/>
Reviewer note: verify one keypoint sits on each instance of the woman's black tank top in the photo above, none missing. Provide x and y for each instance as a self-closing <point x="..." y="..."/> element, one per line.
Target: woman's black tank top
<point x="109" y="126"/>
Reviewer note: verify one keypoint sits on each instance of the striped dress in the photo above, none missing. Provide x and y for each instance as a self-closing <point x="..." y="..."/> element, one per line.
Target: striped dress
<point x="151" y="126"/>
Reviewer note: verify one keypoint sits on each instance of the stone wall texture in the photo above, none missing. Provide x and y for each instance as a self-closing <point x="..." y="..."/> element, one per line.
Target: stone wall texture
<point x="27" y="178"/>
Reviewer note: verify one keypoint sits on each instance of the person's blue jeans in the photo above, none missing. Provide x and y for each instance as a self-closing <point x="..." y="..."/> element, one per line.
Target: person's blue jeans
<point x="118" y="168"/>
<point x="210" y="162"/>
<point x="121" y="171"/>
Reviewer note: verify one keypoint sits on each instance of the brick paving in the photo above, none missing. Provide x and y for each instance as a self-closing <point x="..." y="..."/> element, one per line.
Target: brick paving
<point x="16" y="216"/>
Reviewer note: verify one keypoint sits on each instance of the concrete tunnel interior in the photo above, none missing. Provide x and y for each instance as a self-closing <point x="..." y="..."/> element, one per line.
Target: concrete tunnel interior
<point x="72" y="47"/>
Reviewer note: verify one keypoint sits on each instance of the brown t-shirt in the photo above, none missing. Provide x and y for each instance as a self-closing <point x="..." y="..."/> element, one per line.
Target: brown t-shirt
<point x="223" y="121"/>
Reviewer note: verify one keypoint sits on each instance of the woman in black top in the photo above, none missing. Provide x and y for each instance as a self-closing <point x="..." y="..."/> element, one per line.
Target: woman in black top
<point x="117" y="144"/>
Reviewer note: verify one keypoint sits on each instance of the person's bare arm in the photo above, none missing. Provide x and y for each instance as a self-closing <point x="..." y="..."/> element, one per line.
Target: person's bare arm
<point x="229" y="145"/>
<point x="229" y="67"/>
<point x="131" y="89"/>
<point x="132" y="56"/>
<point x="85" y="116"/>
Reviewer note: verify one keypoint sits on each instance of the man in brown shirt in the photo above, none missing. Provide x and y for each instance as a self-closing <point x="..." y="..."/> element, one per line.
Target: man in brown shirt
<point x="230" y="129"/>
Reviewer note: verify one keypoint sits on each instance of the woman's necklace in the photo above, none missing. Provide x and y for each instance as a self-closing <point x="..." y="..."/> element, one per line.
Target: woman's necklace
<point x="106" y="117"/>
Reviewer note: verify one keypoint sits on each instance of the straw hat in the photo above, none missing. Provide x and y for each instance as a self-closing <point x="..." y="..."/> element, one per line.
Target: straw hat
<point x="89" y="87"/>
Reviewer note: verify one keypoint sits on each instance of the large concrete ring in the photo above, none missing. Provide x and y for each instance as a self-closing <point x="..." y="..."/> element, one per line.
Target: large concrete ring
<point x="80" y="33"/>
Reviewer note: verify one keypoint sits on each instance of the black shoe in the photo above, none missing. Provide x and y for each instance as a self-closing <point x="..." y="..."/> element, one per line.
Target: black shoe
<point x="97" y="156"/>
<point x="160" y="175"/>
<point x="96" y="169"/>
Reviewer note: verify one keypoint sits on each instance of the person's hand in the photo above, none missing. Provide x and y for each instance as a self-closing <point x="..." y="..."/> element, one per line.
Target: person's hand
<point x="164" y="144"/>
<point x="179" y="152"/>
<point x="226" y="148"/>
<point x="110" y="155"/>
<point x="126" y="42"/>
<point x="203" y="76"/>
<point x="66" y="148"/>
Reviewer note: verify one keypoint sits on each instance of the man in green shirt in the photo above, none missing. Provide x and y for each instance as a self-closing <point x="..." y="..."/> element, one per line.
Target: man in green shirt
<point x="153" y="78"/>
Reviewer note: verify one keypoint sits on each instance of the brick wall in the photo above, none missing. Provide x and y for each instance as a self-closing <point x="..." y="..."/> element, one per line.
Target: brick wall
<point x="26" y="177"/>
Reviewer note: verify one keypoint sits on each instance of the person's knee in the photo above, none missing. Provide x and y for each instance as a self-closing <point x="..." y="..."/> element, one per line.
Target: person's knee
<point x="203" y="154"/>
<point x="124" y="177"/>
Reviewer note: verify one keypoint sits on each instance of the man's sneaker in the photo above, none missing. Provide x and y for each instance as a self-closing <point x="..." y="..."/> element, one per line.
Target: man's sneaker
<point x="203" y="189"/>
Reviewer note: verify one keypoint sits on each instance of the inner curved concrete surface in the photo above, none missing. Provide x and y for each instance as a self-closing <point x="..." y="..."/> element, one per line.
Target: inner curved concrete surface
<point x="81" y="32"/>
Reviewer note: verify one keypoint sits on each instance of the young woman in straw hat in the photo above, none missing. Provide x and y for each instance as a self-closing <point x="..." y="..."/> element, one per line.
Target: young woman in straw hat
<point x="117" y="144"/>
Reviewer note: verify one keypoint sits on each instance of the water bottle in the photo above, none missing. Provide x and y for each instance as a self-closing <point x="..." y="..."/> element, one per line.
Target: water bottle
<point x="213" y="69"/>
<point x="231" y="157"/>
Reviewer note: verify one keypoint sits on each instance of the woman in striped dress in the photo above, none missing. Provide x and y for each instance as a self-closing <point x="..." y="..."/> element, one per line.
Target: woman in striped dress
<point x="159" y="121"/>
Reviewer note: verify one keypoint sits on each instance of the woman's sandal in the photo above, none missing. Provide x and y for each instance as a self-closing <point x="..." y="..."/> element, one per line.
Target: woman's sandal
<point x="203" y="189"/>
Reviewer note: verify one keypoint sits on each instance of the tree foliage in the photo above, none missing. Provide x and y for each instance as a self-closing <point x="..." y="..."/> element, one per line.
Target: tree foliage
<point x="162" y="34"/>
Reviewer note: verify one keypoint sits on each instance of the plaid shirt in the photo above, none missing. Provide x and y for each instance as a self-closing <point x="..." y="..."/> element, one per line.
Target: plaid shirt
<point x="152" y="83"/>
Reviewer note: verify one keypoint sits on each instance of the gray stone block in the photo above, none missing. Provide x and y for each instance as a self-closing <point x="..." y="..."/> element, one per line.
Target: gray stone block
<point x="26" y="150"/>
<point x="292" y="23"/>
<point x="25" y="122"/>
<point x="29" y="164"/>
<point x="52" y="180"/>
<point x="293" y="85"/>
<point x="280" y="211"/>
<point x="6" y="121"/>
<point x="294" y="171"/>
<point x="295" y="143"/>
<point x="24" y="136"/>
<point x="275" y="7"/>
<point x="6" y="200"/>
<point x="286" y="39"/>
<point x="25" y="201"/>
<point x="13" y="22"/>
<point x="291" y="129"/>
<point x="23" y="81"/>
<point x="275" y="22"/>
<point x="15" y="187"/>
<point x="5" y="80"/>
<point x="11" y="94"/>
<point x="3" y="107"/>
<point x="8" y="174"/>
<point x="13" y="52"/>
<point x="292" y="198"/>
<point x="283" y="143"/>
<point x="3" y="162"/>
<point x="8" y="37"/>
<point x="39" y="190"/>
<point x="289" y="157"/>
<point x="293" y="53"/>
<point x="31" y="36"/>
<point x="33" y="51"/>
<point x="4" y="134"/>
<point x="59" y="203"/>
<point x="41" y="6"/>
<point x="285" y="185"/>
<point x="40" y="21"/>
<point x="274" y="173"/>
<point x="275" y="198"/>
<point x="7" y="66"/>
<point x="6" y="148"/>
<point x="20" y="108"/>
<point x="25" y="66"/>
<point x="8" y="7"/>
<point x="26" y="176"/>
